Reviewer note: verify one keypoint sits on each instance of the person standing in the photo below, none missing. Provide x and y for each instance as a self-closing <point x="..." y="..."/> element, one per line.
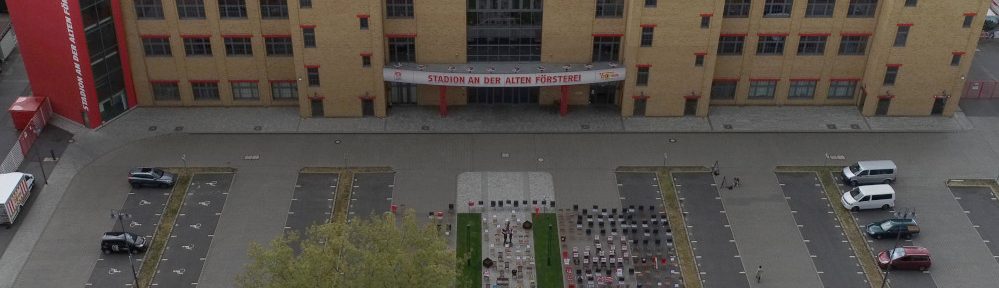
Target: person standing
<point x="759" y="273"/>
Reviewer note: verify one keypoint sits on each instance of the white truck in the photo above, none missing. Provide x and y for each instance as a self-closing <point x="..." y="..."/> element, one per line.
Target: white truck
<point x="15" y="188"/>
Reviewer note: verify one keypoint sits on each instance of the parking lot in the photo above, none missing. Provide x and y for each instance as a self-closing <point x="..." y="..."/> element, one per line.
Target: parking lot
<point x="916" y="279"/>
<point x="371" y="194"/>
<point x="145" y="208"/>
<point x="312" y="201"/>
<point x="650" y="231"/>
<point x="982" y="208"/>
<point x="715" y="250"/>
<point x="192" y="234"/>
<point x="834" y="259"/>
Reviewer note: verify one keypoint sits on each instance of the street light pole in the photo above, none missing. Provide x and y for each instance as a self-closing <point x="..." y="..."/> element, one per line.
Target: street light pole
<point x="119" y="215"/>
<point x="549" y="244"/>
<point x="45" y="179"/>
<point x="468" y="238"/>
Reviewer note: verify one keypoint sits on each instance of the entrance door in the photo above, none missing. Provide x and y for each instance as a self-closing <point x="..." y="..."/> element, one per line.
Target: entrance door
<point x="368" y="107"/>
<point x="503" y="95"/>
<point x="317" y="108"/>
<point x="690" y="107"/>
<point x="402" y="93"/>
<point x="882" y="108"/>
<point x="603" y="94"/>
<point x="938" y="106"/>
<point x="640" y="107"/>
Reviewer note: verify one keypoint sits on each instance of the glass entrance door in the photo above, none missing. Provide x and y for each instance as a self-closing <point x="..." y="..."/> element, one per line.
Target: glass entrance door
<point x="603" y="94"/>
<point x="503" y="95"/>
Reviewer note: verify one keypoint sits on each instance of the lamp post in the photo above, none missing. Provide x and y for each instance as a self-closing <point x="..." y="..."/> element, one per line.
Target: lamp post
<point x="45" y="178"/>
<point x="468" y="238"/>
<point x="120" y="215"/>
<point x="549" y="245"/>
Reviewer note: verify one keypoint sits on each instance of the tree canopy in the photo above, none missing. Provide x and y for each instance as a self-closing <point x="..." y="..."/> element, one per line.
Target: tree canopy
<point x="382" y="251"/>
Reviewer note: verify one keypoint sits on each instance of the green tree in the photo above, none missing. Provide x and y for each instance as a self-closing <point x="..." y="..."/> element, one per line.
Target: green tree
<point x="382" y="251"/>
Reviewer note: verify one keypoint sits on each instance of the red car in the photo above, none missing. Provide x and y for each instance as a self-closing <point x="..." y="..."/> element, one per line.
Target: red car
<point x="905" y="258"/>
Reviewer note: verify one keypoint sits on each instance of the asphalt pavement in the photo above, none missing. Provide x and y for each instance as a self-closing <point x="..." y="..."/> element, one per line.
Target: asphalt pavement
<point x="144" y="207"/>
<point x="981" y="206"/>
<point x="715" y="249"/>
<point x="371" y="194"/>
<point x="641" y="190"/>
<point x="834" y="259"/>
<point x="194" y="230"/>
<point x="312" y="201"/>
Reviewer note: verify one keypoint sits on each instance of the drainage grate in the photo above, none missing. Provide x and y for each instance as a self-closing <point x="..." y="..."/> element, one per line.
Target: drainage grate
<point x="258" y="128"/>
<point x="727" y="126"/>
<point x="585" y="126"/>
<point x="425" y="128"/>
<point x="152" y="128"/>
<point x="831" y="126"/>
<point x="178" y="128"/>
<point x="855" y="126"/>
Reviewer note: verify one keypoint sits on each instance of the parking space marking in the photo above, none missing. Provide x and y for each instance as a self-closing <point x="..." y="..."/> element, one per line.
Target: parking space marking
<point x="981" y="201"/>
<point x="699" y="201"/>
<point x="145" y="206"/>
<point x="372" y="193"/>
<point x="312" y="201"/>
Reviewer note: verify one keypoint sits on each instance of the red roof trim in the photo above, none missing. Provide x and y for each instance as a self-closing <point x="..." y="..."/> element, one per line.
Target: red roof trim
<point x="771" y="34"/>
<point x="154" y="36"/>
<point x="244" y="81"/>
<point x="282" y="81"/>
<point x="643" y="65"/>
<point x="814" y="34"/>
<point x="855" y="34"/>
<point x="637" y="97"/>
<point x="204" y="81"/>
<point x="312" y="66"/>
<point x="691" y="97"/>
<point x="732" y="34"/>
<point x="707" y="14"/>
<point x="886" y="96"/>
<point x="277" y="36"/>
<point x="366" y="54"/>
<point x="648" y="25"/>
<point x="844" y="79"/>
<point x="700" y="53"/>
<point x="413" y="35"/>
<point x="195" y="36"/>
<point x="958" y="52"/>
<point x="904" y="24"/>
<point x="164" y="81"/>
<point x="970" y="14"/>
<point x="726" y="79"/>
<point x="894" y="65"/>
<point x="764" y="79"/>
<point x="804" y="79"/>
<point x="307" y="26"/>
<point x="607" y="35"/>
<point x="363" y="16"/>
<point x="237" y="36"/>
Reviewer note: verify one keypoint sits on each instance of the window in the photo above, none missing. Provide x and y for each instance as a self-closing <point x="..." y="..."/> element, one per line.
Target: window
<point x="911" y="3"/>
<point x="149" y="9"/>
<point x="820" y="8"/>
<point x="313" y="73"/>
<point x="699" y="60"/>
<point x="278" y="46"/>
<point x="967" y="21"/>
<point x="245" y="90"/>
<point x="399" y="8"/>
<point x="842" y="89"/>
<point x="156" y="46"/>
<point x="647" y="36"/>
<point x="309" y="37"/>
<point x="812" y="45"/>
<point x="762" y="89"/>
<point x="891" y="74"/>
<point x="651" y="3"/>
<point x="610" y="8"/>
<point x="305" y="3"/>
<point x="283" y="90"/>
<point x="513" y="37"/>
<point x="956" y="60"/>
<point x="802" y="89"/>
<point x="364" y="23"/>
<point x="365" y="60"/>
<point x="232" y="9"/>
<point x="238" y="46"/>
<point x="166" y="91"/>
<point x="902" y="36"/>
<point x="737" y="8"/>
<point x="606" y="49"/>
<point x="853" y="45"/>
<point x="705" y="21"/>
<point x="770" y="45"/>
<point x="862" y="8"/>
<point x="200" y="46"/>
<point x="274" y="9"/>
<point x="205" y="90"/>
<point x="191" y="9"/>
<point x="402" y="50"/>
<point x="777" y="8"/>
<point x="723" y="89"/>
<point x="643" y="76"/>
<point x="730" y="45"/>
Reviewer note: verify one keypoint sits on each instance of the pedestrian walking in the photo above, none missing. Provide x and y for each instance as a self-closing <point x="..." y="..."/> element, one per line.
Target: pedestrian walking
<point x="759" y="273"/>
<point x="736" y="181"/>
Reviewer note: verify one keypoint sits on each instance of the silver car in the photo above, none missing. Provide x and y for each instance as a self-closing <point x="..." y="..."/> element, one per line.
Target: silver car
<point x="870" y="172"/>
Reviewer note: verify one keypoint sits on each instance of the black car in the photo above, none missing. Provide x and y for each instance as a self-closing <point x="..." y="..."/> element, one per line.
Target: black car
<point x="152" y="177"/>
<point x="891" y="228"/>
<point x="122" y="242"/>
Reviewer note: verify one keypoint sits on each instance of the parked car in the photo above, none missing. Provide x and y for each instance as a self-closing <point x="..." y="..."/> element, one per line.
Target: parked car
<point x="151" y="177"/>
<point x="122" y="242"/>
<point x="905" y="258"/>
<point x="870" y="172"/>
<point x="869" y="197"/>
<point x="892" y="228"/>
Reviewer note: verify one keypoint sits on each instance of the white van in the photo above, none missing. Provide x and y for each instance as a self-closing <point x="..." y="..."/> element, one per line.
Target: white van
<point x="869" y="197"/>
<point x="870" y="172"/>
<point x="15" y="188"/>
